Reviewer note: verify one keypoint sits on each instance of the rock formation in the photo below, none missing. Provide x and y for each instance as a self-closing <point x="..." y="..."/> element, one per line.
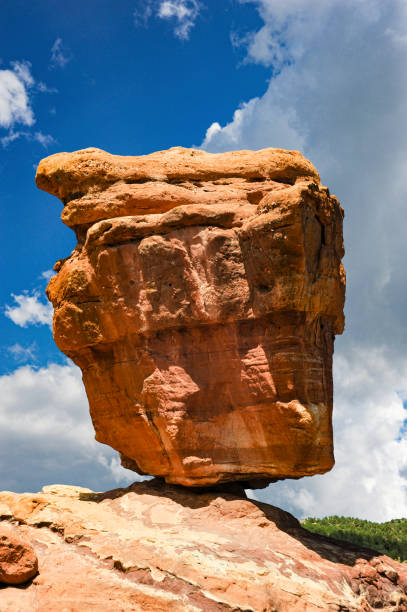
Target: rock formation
<point x="18" y="561"/>
<point x="201" y="304"/>
<point x="159" y="548"/>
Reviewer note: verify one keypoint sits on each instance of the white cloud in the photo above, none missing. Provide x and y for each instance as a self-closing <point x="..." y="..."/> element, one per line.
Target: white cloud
<point x="15" y="104"/>
<point x="29" y="310"/>
<point x="16" y="87"/>
<point x="44" y="139"/>
<point x="340" y="97"/>
<point x="183" y="13"/>
<point x="23" y="72"/>
<point x="245" y="119"/>
<point x="288" y="28"/>
<point x="337" y="91"/>
<point x="43" y="88"/>
<point x="23" y="353"/>
<point x="12" y="136"/>
<point x="60" y="55"/>
<point x="47" y="274"/>
<point x="120" y="474"/>
<point x="46" y="435"/>
<point x="142" y="13"/>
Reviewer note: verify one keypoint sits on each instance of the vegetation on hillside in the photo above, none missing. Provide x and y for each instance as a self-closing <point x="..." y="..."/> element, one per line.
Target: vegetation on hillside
<point x="388" y="538"/>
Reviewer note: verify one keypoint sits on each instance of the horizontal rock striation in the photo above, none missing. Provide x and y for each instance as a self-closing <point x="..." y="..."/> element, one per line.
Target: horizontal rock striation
<point x="158" y="548"/>
<point x="201" y="304"/>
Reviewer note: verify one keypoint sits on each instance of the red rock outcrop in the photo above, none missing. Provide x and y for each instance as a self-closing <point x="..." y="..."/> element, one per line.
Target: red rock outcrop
<point x="201" y="304"/>
<point x="159" y="548"/>
<point x="18" y="561"/>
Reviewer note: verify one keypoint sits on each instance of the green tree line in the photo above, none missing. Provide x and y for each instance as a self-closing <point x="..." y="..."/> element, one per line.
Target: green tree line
<point x="388" y="538"/>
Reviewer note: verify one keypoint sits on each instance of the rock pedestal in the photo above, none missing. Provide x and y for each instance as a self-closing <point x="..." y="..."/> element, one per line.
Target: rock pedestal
<point x="201" y="304"/>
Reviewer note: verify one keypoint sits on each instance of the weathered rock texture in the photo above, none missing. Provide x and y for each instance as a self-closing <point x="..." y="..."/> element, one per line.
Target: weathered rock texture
<point x="152" y="548"/>
<point x="18" y="561"/>
<point x="201" y="304"/>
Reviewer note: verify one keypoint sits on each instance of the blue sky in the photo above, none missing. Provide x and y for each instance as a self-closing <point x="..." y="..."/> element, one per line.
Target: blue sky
<point x="328" y="77"/>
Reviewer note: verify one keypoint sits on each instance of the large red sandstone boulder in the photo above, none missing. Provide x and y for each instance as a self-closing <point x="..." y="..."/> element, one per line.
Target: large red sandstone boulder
<point x="156" y="548"/>
<point x="201" y="304"/>
<point x="18" y="561"/>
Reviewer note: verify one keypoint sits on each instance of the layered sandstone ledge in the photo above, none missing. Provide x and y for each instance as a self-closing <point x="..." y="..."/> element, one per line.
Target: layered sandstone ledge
<point x="155" y="548"/>
<point x="201" y="304"/>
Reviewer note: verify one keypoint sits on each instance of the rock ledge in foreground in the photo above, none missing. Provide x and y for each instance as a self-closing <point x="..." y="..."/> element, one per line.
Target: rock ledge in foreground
<point x="153" y="547"/>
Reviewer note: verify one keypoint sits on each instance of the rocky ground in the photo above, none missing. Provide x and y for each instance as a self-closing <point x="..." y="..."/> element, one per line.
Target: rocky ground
<point x="156" y="547"/>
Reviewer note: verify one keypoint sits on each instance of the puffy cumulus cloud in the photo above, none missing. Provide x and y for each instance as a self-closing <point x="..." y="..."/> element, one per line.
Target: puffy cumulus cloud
<point x="183" y="13"/>
<point x="287" y="29"/>
<point x="282" y="122"/>
<point x="60" y="54"/>
<point x="17" y="86"/>
<point x="338" y="92"/>
<point x="46" y="435"/>
<point x="15" y="104"/>
<point x="341" y="97"/>
<point x="371" y="455"/>
<point x="29" y="310"/>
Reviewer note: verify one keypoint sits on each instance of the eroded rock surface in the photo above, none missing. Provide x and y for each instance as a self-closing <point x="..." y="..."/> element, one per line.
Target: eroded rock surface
<point x="156" y="547"/>
<point x="18" y="561"/>
<point x="201" y="304"/>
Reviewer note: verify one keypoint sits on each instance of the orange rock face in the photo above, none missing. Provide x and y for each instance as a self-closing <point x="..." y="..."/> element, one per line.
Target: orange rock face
<point x="201" y="304"/>
<point x="18" y="561"/>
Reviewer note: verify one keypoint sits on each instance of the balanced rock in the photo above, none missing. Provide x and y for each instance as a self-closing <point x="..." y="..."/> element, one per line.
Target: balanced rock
<point x="18" y="561"/>
<point x="154" y="547"/>
<point x="201" y="304"/>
